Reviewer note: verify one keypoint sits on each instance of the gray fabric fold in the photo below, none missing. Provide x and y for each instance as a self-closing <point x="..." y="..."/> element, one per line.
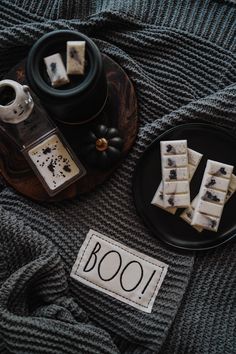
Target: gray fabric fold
<point x="37" y="315"/>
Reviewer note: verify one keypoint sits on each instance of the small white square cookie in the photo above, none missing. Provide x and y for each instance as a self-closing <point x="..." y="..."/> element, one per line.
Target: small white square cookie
<point x="75" y="57"/>
<point x="56" y="70"/>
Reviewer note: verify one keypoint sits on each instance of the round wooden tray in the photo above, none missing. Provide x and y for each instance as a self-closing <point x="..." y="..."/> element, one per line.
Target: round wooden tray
<point x="120" y="111"/>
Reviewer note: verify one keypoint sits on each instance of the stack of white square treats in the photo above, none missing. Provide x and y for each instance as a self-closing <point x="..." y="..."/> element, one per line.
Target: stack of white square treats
<point x="214" y="195"/>
<point x="175" y="173"/>
<point x="179" y="163"/>
<point x="209" y="204"/>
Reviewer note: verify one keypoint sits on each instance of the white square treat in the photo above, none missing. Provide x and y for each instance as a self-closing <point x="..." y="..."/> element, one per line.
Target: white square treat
<point x="213" y="182"/>
<point x="56" y="70"/>
<point x="219" y="169"/>
<point x="75" y="57"/>
<point x="53" y="162"/>
<point x="175" y="161"/>
<point x="206" y="221"/>
<point x="213" y="196"/>
<point x="173" y="147"/>
<point x="194" y="157"/>
<point x="176" y="174"/>
<point x="177" y="188"/>
<point x="178" y="200"/>
<point x="208" y="208"/>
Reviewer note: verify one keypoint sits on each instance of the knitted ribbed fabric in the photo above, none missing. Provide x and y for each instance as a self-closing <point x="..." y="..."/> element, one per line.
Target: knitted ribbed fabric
<point x="180" y="55"/>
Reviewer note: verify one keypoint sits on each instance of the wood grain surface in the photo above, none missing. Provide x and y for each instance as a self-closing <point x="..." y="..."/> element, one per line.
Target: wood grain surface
<point x="120" y="111"/>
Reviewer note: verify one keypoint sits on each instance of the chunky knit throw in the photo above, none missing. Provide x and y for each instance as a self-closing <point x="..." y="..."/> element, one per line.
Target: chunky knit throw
<point x="181" y="56"/>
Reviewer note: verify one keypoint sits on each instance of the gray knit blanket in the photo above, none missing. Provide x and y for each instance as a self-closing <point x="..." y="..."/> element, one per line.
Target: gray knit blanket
<point x="181" y="57"/>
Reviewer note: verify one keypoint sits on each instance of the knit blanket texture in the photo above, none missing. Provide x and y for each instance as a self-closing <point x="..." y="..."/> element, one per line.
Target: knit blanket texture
<point x="181" y="57"/>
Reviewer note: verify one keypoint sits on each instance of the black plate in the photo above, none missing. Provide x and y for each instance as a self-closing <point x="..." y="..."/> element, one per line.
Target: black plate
<point x="216" y="144"/>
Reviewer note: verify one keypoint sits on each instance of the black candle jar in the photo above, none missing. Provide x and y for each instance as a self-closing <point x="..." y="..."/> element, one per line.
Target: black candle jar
<point x="85" y="96"/>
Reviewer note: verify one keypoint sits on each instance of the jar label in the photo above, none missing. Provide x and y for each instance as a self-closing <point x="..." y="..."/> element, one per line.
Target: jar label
<point x="119" y="271"/>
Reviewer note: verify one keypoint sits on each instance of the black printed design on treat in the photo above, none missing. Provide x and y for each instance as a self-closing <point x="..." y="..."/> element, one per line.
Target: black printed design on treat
<point x="211" y="183"/>
<point x="67" y="168"/>
<point x="173" y="174"/>
<point x="54" y="161"/>
<point x="212" y="223"/>
<point x="53" y="67"/>
<point x="171" y="163"/>
<point x="47" y="151"/>
<point x="170" y="148"/>
<point x="211" y="197"/>
<point x="161" y="195"/>
<point x="51" y="167"/>
<point x="56" y="75"/>
<point x="171" y="201"/>
<point x="74" y="55"/>
<point x="189" y="214"/>
<point x="222" y="171"/>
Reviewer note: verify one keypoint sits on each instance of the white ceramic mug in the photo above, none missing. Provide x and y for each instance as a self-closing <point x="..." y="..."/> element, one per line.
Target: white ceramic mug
<point x="21" y="107"/>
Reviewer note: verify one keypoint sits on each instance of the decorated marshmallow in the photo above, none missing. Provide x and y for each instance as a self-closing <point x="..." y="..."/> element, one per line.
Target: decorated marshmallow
<point x="75" y="57"/>
<point x="56" y="70"/>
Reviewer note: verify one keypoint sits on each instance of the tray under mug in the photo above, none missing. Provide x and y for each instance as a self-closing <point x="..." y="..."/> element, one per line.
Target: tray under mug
<point x="120" y="111"/>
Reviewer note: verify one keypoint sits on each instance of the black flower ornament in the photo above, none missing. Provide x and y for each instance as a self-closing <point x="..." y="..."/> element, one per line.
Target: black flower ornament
<point x="102" y="147"/>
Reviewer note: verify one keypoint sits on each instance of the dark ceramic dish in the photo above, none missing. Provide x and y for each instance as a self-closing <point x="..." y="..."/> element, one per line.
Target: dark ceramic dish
<point x="84" y="97"/>
<point x="214" y="143"/>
